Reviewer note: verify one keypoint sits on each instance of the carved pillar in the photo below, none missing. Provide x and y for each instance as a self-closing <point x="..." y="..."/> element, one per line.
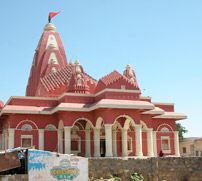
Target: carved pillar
<point x="124" y="139"/>
<point x="138" y="136"/>
<point x="96" y="142"/>
<point x="176" y="140"/>
<point x="88" y="147"/>
<point x="67" y="131"/>
<point x="3" y="141"/>
<point x="11" y="138"/>
<point x="150" y="142"/>
<point x="154" y="144"/>
<point x="6" y="140"/>
<point x="41" y="139"/>
<point x="108" y="140"/>
<point x="60" y="140"/>
<point x="114" y="143"/>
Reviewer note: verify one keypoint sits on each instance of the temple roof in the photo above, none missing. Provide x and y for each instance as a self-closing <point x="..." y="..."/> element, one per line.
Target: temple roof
<point x="57" y="79"/>
<point x="61" y="78"/>
<point x="113" y="77"/>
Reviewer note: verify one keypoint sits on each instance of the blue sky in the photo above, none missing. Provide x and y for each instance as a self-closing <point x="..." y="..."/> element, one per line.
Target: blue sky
<point x="162" y="40"/>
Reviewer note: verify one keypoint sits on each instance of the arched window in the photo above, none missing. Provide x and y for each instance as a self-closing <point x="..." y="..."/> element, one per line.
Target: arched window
<point x="50" y="127"/>
<point x="26" y="127"/>
<point x="164" y="130"/>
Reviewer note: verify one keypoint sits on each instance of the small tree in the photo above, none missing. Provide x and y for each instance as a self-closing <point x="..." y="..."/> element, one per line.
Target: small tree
<point x="181" y="129"/>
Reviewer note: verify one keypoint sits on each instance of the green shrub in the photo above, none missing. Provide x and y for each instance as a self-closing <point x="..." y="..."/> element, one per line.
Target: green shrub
<point x="115" y="177"/>
<point x="136" y="177"/>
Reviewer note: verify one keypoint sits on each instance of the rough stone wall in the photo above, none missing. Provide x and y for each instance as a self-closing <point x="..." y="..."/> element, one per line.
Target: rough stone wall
<point x="156" y="169"/>
<point x="153" y="169"/>
<point x="14" y="177"/>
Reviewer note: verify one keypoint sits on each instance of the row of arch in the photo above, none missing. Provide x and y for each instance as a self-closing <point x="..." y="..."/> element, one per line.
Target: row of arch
<point x="99" y="124"/>
<point x="122" y="128"/>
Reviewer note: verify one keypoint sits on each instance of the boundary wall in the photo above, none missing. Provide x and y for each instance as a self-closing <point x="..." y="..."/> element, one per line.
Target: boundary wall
<point x="153" y="169"/>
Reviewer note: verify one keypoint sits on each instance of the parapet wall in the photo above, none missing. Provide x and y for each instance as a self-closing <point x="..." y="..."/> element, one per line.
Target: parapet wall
<point x="166" y="168"/>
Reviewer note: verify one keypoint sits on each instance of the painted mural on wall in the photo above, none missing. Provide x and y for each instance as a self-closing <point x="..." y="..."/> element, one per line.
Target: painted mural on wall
<point x="43" y="165"/>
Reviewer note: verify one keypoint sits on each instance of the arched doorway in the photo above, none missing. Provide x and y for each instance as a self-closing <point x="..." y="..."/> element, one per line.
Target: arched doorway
<point x="81" y="137"/>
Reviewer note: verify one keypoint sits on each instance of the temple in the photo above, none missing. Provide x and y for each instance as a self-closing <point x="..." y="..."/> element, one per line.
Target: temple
<point x="65" y="110"/>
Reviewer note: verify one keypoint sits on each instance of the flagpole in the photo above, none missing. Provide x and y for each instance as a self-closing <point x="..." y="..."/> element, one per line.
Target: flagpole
<point x="49" y="19"/>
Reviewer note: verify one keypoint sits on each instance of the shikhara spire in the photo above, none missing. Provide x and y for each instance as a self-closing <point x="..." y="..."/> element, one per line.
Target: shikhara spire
<point x="49" y="57"/>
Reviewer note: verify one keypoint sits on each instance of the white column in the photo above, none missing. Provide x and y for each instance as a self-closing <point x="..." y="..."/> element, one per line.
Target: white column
<point x="114" y="143"/>
<point x="124" y="140"/>
<point x="3" y="141"/>
<point x="67" y="140"/>
<point x="154" y="144"/>
<point x="108" y="140"/>
<point x="138" y="136"/>
<point x="150" y="142"/>
<point x="41" y="139"/>
<point x="60" y="140"/>
<point x="88" y="147"/>
<point x="176" y="140"/>
<point x="0" y="141"/>
<point x="11" y="138"/>
<point x="96" y="142"/>
<point x="6" y="140"/>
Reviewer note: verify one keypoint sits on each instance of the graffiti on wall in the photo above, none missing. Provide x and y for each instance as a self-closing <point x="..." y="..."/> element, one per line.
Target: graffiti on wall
<point x="44" y="165"/>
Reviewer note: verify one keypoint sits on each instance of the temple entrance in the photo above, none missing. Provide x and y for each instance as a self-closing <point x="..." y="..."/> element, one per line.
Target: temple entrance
<point x="102" y="147"/>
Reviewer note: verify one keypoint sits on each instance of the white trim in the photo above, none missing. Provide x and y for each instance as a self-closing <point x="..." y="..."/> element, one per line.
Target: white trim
<point x="117" y="90"/>
<point x="164" y="124"/>
<point x="163" y="116"/>
<point x="161" y="103"/>
<point x="27" y="121"/>
<point x="154" y="111"/>
<point x="27" y="136"/>
<point x="144" y="97"/>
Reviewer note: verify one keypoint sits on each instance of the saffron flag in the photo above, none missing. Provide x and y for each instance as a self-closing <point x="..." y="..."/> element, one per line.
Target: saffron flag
<point x="52" y="14"/>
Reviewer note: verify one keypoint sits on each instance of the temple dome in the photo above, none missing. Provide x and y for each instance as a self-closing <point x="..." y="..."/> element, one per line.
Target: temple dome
<point x="50" y="27"/>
